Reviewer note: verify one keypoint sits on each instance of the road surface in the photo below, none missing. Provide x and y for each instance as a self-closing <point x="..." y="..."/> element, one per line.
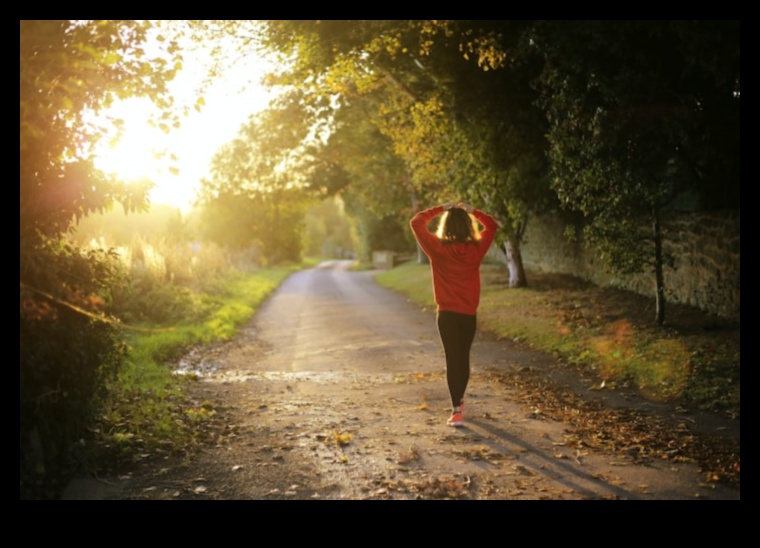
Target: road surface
<point x="336" y="390"/>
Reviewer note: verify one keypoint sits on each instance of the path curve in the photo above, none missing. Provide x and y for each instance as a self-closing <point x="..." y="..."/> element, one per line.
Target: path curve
<point x="336" y="390"/>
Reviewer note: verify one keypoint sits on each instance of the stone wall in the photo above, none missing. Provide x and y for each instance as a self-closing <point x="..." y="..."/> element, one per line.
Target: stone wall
<point x="706" y="247"/>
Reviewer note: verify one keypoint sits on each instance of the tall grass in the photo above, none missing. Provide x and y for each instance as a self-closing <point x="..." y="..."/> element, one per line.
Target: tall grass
<point x="174" y="296"/>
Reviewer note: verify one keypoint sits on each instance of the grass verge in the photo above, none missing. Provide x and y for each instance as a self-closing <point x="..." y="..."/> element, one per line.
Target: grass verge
<point x="694" y="359"/>
<point x="145" y="411"/>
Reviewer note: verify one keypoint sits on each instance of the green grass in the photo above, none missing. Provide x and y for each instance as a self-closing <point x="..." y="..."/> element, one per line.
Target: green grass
<point x="411" y="279"/>
<point x="599" y="331"/>
<point x="147" y="410"/>
<point x="145" y="406"/>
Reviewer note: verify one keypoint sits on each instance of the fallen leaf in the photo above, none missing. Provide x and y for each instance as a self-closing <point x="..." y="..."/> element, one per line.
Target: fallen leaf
<point x="340" y="438"/>
<point x="411" y="455"/>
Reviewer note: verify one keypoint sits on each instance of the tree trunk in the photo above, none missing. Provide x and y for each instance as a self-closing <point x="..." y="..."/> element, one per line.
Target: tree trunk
<point x="421" y="257"/>
<point x="658" y="271"/>
<point x="515" y="266"/>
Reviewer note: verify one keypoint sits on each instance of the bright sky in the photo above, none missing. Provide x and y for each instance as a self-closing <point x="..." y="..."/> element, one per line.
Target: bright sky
<point x="229" y="102"/>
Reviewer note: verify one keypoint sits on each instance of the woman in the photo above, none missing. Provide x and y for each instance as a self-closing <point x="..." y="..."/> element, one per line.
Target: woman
<point x="455" y="254"/>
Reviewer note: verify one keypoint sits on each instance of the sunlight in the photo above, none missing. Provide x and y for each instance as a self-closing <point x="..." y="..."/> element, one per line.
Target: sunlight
<point x="175" y="161"/>
<point x="136" y="154"/>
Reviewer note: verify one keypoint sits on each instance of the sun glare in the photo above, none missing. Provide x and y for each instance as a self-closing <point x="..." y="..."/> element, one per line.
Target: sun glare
<point x="136" y="154"/>
<point x="176" y="161"/>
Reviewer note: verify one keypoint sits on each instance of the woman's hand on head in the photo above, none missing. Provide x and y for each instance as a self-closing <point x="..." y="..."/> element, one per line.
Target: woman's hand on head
<point x="466" y="207"/>
<point x="448" y="205"/>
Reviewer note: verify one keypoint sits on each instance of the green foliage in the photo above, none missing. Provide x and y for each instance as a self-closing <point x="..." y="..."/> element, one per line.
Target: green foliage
<point x="639" y="118"/>
<point x="377" y="192"/>
<point x="63" y="368"/>
<point x="270" y="225"/>
<point x="388" y="114"/>
<point x="452" y="100"/>
<point x="586" y="330"/>
<point x="157" y="303"/>
<point x="255" y="196"/>
<point x="68" y="349"/>
<point x="144" y="410"/>
<point x="69" y="70"/>
<point x="411" y="279"/>
<point x="166" y="280"/>
<point x="328" y="230"/>
<point x="376" y="177"/>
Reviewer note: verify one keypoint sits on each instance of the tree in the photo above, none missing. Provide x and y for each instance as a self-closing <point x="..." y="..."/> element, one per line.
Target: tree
<point x="376" y="189"/>
<point x="256" y="195"/>
<point x="328" y="231"/>
<point x="456" y="107"/>
<point x="68" y="70"/>
<point x="642" y="114"/>
<point x="503" y="131"/>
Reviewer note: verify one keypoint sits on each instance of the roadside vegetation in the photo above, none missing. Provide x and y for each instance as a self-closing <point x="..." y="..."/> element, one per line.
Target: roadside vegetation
<point x="370" y="119"/>
<point x="694" y="360"/>
<point x="145" y="409"/>
<point x="202" y="299"/>
<point x="169" y="297"/>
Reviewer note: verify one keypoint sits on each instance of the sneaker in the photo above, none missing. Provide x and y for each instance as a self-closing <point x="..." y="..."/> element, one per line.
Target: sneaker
<point x="456" y="419"/>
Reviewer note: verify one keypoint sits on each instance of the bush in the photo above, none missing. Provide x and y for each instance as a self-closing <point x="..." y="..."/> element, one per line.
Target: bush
<point x="162" y="279"/>
<point x="65" y="355"/>
<point x="140" y="301"/>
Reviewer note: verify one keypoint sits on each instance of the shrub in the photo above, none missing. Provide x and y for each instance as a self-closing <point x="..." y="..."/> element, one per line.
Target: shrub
<point x="67" y="348"/>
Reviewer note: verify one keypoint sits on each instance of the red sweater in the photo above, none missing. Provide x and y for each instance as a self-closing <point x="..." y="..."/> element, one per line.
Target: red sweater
<point x="455" y="266"/>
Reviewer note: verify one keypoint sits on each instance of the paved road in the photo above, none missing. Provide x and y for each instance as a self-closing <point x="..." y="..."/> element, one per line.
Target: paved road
<point x="331" y="320"/>
<point x="361" y="359"/>
<point x="341" y="384"/>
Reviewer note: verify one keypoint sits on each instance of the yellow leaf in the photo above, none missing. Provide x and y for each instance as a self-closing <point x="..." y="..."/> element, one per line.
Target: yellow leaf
<point x="345" y="438"/>
<point x="340" y="438"/>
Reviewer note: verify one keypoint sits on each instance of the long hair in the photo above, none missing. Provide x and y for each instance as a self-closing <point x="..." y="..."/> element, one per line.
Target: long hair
<point x="458" y="226"/>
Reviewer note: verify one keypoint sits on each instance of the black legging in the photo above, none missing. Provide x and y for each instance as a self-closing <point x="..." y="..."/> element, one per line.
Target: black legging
<point x="457" y="331"/>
